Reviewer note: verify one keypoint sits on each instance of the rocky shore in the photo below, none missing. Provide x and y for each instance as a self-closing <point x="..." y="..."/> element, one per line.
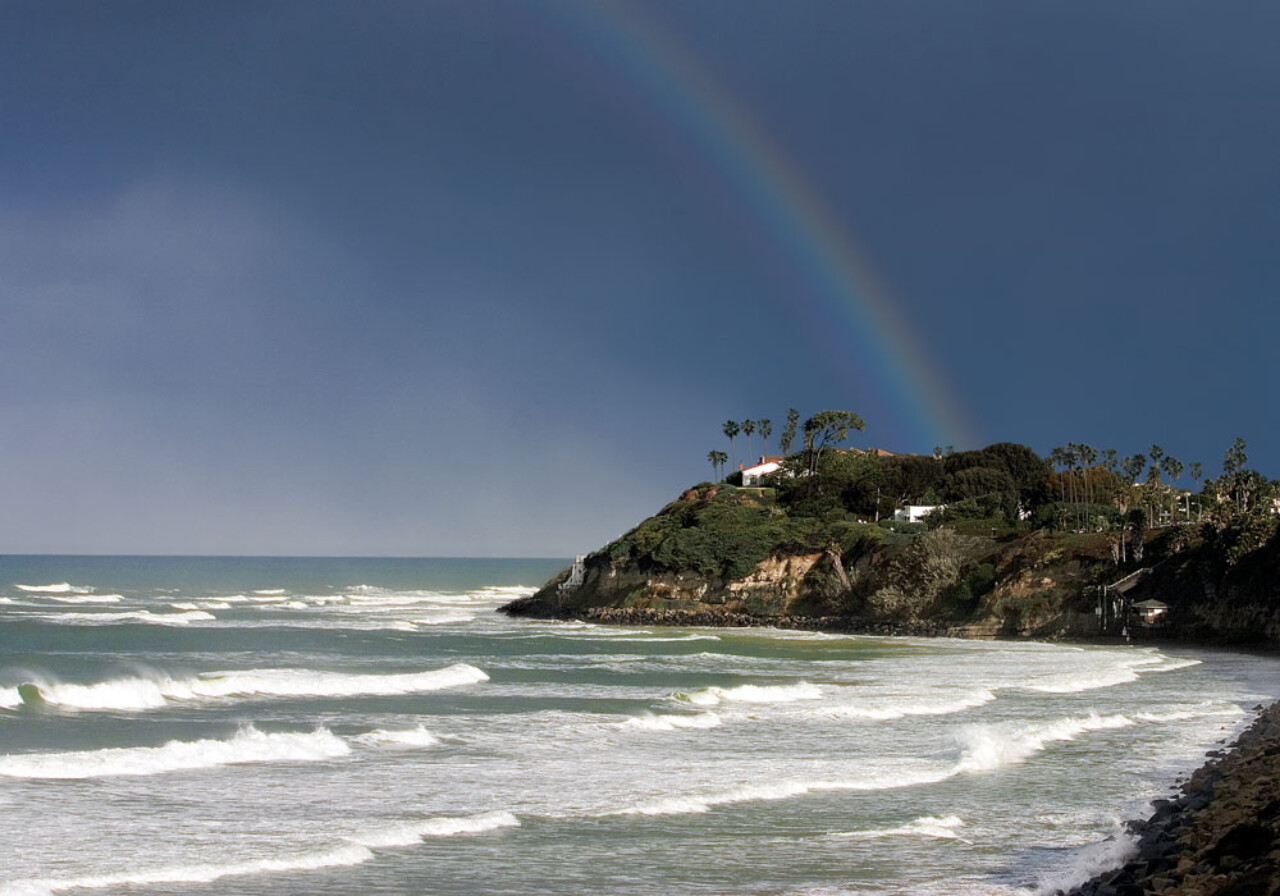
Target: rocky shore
<point x="716" y="618"/>
<point x="1220" y="836"/>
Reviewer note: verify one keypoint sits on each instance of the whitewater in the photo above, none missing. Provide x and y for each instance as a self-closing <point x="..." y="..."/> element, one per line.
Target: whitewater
<point x="324" y="726"/>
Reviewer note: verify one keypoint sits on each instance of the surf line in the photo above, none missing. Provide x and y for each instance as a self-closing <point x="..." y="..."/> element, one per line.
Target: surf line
<point x="846" y="299"/>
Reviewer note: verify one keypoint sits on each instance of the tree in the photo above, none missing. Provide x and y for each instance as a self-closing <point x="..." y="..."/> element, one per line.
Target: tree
<point x="827" y="428"/>
<point x="717" y="459"/>
<point x="748" y="427"/>
<point x="1088" y="456"/>
<point x="1109" y="460"/>
<point x="1233" y="471"/>
<point x="1172" y="467"/>
<point x="1197" y="472"/>
<point x="786" y="441"/>
<point x="1155" y="454"/>
<point x="766" y="430"/>
<point x="731" y="429"/>
<point x="1132" y="467"/>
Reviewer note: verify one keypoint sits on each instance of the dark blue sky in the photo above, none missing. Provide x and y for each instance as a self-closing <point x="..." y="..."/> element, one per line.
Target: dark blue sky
<point x="486" y="278"/>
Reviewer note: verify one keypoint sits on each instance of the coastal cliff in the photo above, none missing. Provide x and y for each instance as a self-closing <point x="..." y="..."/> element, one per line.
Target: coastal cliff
<point x="725" y="556"/>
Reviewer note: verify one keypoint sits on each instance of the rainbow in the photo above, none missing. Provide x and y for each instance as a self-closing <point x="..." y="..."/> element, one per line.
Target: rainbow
<point x="852" y="306"/>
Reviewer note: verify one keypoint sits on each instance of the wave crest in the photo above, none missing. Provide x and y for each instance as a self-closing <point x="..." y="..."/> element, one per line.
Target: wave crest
<point x="249" y="745"/>
<point x="153" y="693"/>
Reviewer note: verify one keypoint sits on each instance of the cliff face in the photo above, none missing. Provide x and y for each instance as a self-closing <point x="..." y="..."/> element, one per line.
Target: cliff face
<point x="772" y="588"/>
<point x="932" y="585"/>
<point x="722" y="556"/>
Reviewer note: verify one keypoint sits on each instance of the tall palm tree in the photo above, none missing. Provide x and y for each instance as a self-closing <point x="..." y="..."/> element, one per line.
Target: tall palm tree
<point x="731" y="429"/>
<point x="1155" y="454"/>
<point x="1058" y="458"/>
<point x="1172" y="468"/>
<point x="748" y="427"/>
<point x="1197" y="472"/>
<point x="766" y="430"/>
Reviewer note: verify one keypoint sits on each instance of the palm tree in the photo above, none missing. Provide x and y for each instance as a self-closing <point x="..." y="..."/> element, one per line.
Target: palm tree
<point x="748" y="427"/>
<point x="1197" y="472"/>
<point x="731" y="429"/>
<point x="1155" y="454"/>
<point x="766" y="430"/>
<point x="714" y="458"/>
<point x="1089" y="456"/>
<point x="1058" y="458"/>
<point x="1172" y="468"/>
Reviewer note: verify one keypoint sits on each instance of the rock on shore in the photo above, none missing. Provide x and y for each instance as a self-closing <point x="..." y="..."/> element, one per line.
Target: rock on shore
<point x="1221" y="836"/>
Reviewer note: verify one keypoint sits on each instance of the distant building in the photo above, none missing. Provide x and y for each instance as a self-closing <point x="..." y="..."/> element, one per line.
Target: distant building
<point x="1151" y="613"/>
<point x="752" y="475"/>
<point x="915" y="513"/>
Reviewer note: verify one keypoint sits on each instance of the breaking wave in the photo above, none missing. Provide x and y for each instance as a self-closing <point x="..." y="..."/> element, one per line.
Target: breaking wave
<point x="350" y="854"/>
<point x="144" y="616"/>
<point x="409" y="833"/>
<point x="407" y="738"/>
<point x="985" y="748"/>
<point x="941" y="828"/>
<point x="668" y="722"/>
<point x="249" y="745"/>
<point x="1126" y="671"/>
<point x="886" y="709"/>
<point x="56" y="588"/>
<point x="154" y="692"/>
<point x="752" y="693"/>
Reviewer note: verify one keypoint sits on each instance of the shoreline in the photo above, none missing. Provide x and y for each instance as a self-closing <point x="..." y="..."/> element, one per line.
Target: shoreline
<point x="1220" y="836"/>
<point x="849" y="625"/>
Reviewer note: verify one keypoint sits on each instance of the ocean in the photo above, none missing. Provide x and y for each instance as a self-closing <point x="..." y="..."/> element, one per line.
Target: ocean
<point x="275" y="726"/>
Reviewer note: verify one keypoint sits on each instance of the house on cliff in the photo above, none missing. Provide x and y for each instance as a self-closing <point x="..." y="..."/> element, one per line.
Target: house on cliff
<point x="752" y="475"/>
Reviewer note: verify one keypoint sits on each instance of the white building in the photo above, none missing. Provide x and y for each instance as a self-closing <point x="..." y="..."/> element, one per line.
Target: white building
<point x="752" y="475"/>
<point x="915" y="513"/>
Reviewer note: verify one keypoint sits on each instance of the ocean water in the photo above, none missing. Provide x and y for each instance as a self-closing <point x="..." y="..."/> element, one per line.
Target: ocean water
<point x="324" y="726"/>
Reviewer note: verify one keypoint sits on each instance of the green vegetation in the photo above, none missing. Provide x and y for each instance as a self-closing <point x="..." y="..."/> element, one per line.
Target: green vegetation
<point x="1013" y="543"/>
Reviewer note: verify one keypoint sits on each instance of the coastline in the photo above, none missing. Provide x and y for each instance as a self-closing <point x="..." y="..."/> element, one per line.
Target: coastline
<point x="1220" y="836"/>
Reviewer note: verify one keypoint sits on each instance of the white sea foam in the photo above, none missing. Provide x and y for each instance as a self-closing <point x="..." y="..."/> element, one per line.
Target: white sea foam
<point x="266" y="592"/>
<point x="407" y="738"/>
<point x="1092" y="860"/>
<point x="669" y="722"/>
<point x="86" y="598"/>
<point x="444" y="617"/>
<point x="349" y="854"/>
<point x="988" y="747"/>
<point x="652" y="640"/>
<point x="201" y="605"/>
<point x="151" y="693"/>
<point x="940" y="828"/>
<point x="897" y="707"/>
<point x="753" y="693"/>
<point x="411" y="832"/>
<point x="56" y="588"/>
<point x="10" y="698"/>
<point x="249" y="745"/>
<point x="143" y="616"/>
<point x="694" y="803"/>
<point x="1126" y="670"/>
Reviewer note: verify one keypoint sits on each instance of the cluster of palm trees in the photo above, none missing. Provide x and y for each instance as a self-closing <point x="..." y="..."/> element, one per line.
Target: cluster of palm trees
<point x="1077" y="467"/>
<point x="747" y="428"/>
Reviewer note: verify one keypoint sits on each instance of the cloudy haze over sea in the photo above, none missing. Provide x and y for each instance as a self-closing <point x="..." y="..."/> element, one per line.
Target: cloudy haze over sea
<point x="485" y="278"/>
